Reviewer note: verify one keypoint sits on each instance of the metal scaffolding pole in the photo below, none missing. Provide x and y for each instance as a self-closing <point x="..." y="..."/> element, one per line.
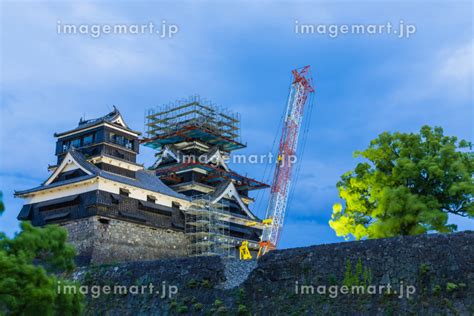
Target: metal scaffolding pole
<point x="193" y="111"/>
<point x="207" y="231"/>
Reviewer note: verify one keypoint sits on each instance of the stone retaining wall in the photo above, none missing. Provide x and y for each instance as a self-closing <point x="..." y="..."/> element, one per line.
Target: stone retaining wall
<point x="439" y="267"/>
<point x="100" y="240"/>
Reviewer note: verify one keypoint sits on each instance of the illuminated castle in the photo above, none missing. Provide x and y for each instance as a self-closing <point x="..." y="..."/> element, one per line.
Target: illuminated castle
<point x="188" y="203"/>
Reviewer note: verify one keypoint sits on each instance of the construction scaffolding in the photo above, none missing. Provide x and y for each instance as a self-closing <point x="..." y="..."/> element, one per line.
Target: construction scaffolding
<point x="207" y="232"/>
<point x="194" y="117"/>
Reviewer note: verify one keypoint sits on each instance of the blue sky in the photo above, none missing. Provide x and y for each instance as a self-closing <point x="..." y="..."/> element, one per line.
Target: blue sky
<point x="238" y="55"/>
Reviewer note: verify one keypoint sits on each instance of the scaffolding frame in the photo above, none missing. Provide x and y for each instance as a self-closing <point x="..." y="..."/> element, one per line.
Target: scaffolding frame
<point x="207" y="230"/>
<point x="192" y="112"/>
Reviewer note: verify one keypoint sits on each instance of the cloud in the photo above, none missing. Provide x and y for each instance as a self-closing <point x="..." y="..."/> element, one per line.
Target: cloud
<point x="446" y="75"/>
<point x="80" y="60"/>
<point x="455" y="71"/>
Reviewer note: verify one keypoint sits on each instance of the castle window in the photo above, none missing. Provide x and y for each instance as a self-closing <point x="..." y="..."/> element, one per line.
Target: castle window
<point x="118" y="154"/>
<point x="76" y="142"/>
<point x="88" y="139"/>
<point x="151" y="199"/>
<point x="66" y="145"/>
<point x="128" y="144"/>
<point x="175" y="205"/>
<point x="124" y="192"/>
<point x="121" y="141"/>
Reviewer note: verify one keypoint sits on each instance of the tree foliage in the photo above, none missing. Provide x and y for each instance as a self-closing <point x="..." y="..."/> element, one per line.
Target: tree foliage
<point x="408" y="186"/>
<point x="29" y="265"/>
<point x="2" y="207"/>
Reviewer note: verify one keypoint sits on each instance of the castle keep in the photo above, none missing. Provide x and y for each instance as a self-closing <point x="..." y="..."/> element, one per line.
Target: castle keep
<point x="188" y="203"/>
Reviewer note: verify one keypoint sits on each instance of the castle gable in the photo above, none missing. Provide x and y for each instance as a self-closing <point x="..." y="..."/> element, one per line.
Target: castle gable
<point x="71" y="162"/>
<point x="228" y="190"/>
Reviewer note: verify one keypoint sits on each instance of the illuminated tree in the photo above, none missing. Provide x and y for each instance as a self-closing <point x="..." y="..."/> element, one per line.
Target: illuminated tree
<point x="409" y="185"/>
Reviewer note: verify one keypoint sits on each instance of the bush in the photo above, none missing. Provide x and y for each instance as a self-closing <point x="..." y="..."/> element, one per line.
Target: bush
<point x="206" y="283"/>
<point x="192" y="284"/>
<point x="242" y="310"/>
<point x="198" y="307"/>
<point x="450" y="287"/>
<point x="183" y="309"/>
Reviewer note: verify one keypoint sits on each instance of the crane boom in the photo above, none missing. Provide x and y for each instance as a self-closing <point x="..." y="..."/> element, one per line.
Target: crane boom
<point x="300" y="89"/>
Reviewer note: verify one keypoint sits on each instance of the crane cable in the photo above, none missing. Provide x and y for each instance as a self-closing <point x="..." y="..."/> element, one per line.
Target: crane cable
<point x="266" y="177"/>
<point x="307" y="122"/>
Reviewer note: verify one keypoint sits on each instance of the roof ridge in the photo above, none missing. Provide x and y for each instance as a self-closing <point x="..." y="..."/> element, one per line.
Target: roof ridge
<point x="109" y="116"/>
<point x="82" y="160"/>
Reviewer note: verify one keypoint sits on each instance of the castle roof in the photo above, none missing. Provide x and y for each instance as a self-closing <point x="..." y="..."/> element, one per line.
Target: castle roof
<point x="114" y="118"/>
<point x="144" y="179"/>
<point x="227" y="188"/>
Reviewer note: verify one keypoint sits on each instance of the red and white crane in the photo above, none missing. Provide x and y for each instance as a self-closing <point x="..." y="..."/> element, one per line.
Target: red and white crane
<point x="300" y="90"/>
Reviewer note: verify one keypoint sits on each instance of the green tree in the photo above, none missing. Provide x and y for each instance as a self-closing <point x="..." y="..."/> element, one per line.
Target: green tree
<point x="409" y="185"/>
<point x="30" y="264"/>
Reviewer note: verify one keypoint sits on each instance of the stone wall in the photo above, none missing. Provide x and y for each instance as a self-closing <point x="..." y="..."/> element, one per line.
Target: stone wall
<point x="439" y="267"/>
<point x="100" y="240"/>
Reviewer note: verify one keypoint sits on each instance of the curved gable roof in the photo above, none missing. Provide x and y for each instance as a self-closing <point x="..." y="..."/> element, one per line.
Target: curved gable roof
<point x="144" y="179"/>
<point x="114" y="118"/>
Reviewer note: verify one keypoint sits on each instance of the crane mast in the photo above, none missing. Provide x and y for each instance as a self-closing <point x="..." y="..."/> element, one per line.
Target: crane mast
<point x="300" y="89"/>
